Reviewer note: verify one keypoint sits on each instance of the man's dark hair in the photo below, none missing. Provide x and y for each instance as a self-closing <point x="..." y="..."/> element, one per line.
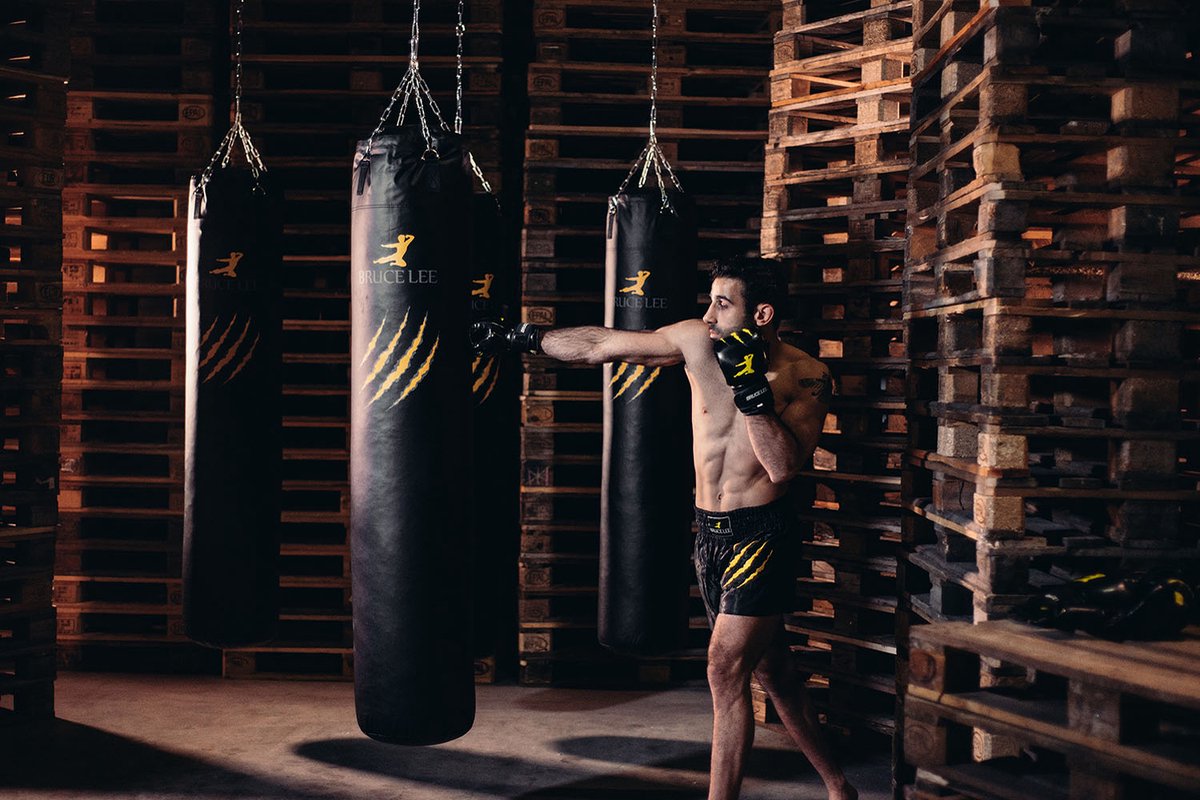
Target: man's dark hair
<point x="763" y="279"/>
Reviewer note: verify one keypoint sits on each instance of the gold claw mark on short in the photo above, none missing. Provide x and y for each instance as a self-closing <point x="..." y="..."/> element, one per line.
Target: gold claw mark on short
<point x="475" y="364"/>
<point x="421" y="373"/>
<point x="649" y="380"/>
<point x="483" y="376"/>
<point x="208" y="332"/>
<point x="401" y="365"/>
<point x="725" y="584"/>
<point x="756" y="572"/>
<point x="216" y="348"/>
<point x="620" y="371"/>
<point x="630" y="380"/>
<point x="737" y="556"/>
<point x="371" y="344"/>
<point x="387" y="353"/>
<point x="245" y="359"/>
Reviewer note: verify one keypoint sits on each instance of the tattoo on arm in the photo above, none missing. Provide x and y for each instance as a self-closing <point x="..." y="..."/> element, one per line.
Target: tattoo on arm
<point x="822" y="387"/>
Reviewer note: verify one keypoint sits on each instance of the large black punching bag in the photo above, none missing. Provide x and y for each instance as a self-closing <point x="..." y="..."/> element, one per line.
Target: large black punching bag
<point x="495" y="385"/>
<point x="232" y="432"/>
<point x="646" y="495"/>
<point x="410" y="431"/>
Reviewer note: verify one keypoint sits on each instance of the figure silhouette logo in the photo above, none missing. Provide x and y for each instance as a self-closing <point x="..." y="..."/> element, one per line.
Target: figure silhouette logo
<point x="639" y="284"/>
<point x="485" y="286"/>
<point x="231" y="265"/>
<point x="747" y="366"/>
<point x="398" y="248"/>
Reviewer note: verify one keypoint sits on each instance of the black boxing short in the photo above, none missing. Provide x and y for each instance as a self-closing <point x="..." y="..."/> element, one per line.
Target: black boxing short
<point x="746" y="560"/>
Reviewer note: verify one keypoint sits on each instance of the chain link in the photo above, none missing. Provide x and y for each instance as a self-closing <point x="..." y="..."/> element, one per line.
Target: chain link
<point x="460" y="30"/>
<point x="237" y="131"/>
<point x="412" y="89"/>
<point x="652" y="155"/>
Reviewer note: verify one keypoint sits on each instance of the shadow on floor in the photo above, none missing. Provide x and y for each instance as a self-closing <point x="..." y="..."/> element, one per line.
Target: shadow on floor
<point x="66" y="755"/>
<point x="769" y="764"/>
<point x="500" y="776"/>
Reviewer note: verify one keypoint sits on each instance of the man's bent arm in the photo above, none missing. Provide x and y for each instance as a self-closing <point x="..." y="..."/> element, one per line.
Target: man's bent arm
<point x="775" y="447"/>
<point x="596" y="345"/>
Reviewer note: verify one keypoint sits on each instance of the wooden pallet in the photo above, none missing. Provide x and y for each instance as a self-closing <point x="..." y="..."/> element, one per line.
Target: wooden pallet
<point x="1104" y="718"/>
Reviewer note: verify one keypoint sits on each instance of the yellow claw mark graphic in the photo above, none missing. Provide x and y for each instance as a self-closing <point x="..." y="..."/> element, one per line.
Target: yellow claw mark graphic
<point x="487" y="371"/>
<point x="726" y="578"/>
<point x="649" y="380"/>
<point x="371" y="344"/>
<point x="387" y="353"/>
<point x="637" y="373"/>
<point x="475" y="363"/>
<point x="421" y="373"/>
<point x="491" y="386"/>
<point x="216" y="348"/>
<point x="245" y="360"/>
<point x="208" y="332"/>
<point x="620" y="371"/>
<point x="401" y="365"/>
<point x="756" y="572"/>
<point x="229" y="356"/>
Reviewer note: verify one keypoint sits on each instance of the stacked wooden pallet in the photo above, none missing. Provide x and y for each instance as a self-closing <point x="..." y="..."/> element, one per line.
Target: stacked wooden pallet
<point x="1050" y="299"/>
<point x="139" y="119"/>
<point x="1093" y="718"/>
<point x="588" y="93"/>
<point x="317" y="76"/>
<point x="32" y="114"/>
<point x="833" y="211"/>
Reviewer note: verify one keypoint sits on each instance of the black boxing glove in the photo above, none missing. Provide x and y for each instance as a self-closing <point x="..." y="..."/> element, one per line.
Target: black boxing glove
<point x="492" y="336"/>
<point x="742" y="356"/>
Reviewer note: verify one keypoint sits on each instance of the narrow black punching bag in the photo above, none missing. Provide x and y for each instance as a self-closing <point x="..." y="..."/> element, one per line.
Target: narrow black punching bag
<point x="495" y="385"/>
<point x="233" y="413"/>
<point x="410" y="431"/>
<point x="646" y="497"/>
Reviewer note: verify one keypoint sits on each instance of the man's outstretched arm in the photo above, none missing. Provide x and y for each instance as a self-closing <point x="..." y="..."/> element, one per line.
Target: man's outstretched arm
<point x="584" y="344"/>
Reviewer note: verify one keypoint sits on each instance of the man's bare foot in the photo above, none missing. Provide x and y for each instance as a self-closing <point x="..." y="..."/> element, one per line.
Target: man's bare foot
<point x="844" y="792"/>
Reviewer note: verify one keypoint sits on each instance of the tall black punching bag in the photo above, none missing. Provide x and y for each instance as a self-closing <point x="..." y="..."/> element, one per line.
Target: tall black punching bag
<point x="233" y="412"/>
<point x="646" y="495"/>
<point x="410" y="430"/>
<point x="495" y="385"/>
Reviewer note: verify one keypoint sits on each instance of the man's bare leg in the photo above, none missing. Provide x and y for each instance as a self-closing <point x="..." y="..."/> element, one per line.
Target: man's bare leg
<point x="791" y="700"/>
<point x="736" y="646"/>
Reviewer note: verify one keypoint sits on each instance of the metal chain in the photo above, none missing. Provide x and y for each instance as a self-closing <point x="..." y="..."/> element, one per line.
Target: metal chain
<point x="412" y="88"/>
<point x="460" y="30"/>
<point x="652" y="155"/>
<point x="237" y="131"/>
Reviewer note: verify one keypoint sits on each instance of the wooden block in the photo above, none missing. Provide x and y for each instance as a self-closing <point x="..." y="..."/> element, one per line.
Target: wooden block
<point x="1140" y="282"/>
<point x="958" y="385"/>
<point x="958" y="333"/>
<point x="1004" y="334"/>
<point x="953" y="22"/>
<point x="1143" y="459"/>
<point x="1003" y="451"/>
<point x="1144" y="164"/>
<point x="1012" y="39"/>
<point x="956" y="75"/>
<point x="1000" y="275"/>
<point x="1146" y="403"/>
<point x="1144" y="523"/>
<point x="1154" y="50"/>
<point x="997" y="161"/>
<point x="1146" y="103"/>
<point x="1002" y="216"/>
<point x="958" y="440"/>
<point x="1156" y="226"/>
<point x="1000" y="513"/>
<point x="1147" y="340"/>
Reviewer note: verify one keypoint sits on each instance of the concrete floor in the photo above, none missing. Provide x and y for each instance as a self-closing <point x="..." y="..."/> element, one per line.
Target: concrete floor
<point x="121" y="736"/>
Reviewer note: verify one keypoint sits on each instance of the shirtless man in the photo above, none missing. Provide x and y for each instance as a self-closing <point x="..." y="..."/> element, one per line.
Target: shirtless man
<point x="748" y="444"/>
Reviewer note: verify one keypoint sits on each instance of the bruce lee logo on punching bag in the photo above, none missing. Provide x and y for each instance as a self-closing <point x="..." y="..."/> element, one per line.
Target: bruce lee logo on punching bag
<point x="396" y="268"/>
<point x="228" y="278"/>
<point x="634" y="296"/>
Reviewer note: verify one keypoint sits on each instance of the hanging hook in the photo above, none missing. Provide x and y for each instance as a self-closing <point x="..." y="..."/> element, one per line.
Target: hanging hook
<point x="652" y="155"/>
